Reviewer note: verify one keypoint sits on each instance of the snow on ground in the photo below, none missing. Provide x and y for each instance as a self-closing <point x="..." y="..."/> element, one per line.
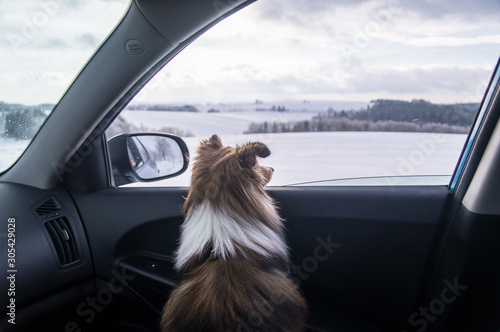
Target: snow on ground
<point x="306" y="157"/>
<point x="313" y="106"/>
<point x="10" y="151"/>
<point x="301" y="157"/>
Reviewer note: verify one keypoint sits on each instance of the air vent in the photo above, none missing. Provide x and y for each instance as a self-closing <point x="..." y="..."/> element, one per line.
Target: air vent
<point x="49" y="207"/>
<point x="63" y="239"/>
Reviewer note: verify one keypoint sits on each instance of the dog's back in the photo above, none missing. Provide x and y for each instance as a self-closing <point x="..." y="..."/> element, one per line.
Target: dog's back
<point x="234" y="295"/>
<point x="232" y="254"/>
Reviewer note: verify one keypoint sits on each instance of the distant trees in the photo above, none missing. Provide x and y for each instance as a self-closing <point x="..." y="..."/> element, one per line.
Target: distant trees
<point x="20" y="121"/>
<point x="162" y="107"/>
<point x="421" y="111"/>
<point x="163" y="149"/>
<point x="279" y="108"/>
<point x="417" y="111"/>
<point x="383" y="115"/>
<point x="120" y="126"/>
<point x="176" y="131"/>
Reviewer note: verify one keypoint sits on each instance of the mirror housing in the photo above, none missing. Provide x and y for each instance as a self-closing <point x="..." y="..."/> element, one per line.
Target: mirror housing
<point x="146" y="157"/>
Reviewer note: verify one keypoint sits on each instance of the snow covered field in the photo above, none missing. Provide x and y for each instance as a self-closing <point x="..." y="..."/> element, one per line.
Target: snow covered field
<point x="302" y="157"/>
<point x="306" y="157"/>
<point x="319" y="156"/>
<point x="10" y="151"/>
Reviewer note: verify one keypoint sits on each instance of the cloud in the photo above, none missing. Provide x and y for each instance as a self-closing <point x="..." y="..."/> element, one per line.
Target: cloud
<point x="58" y="43"/>
<point x="417" y="19"/>
<point x="44" y="43"/>
<point x="466" y="9"/>
<point x="283" y="8"/>
<point x="432" y="9"/>
<point x="280" y="49"/>
<point x="417" y="80"/>
<point x="453" y="41"/>
<point x="56" y="78"/>
<point x="89" y="40"/>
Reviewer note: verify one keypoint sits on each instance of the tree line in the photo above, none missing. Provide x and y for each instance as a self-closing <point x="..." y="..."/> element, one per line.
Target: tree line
<point x="383" y="115"/>
<point x="120" y="126"/>
<point x="161" y="107"/>
<point x="22" y="122"/>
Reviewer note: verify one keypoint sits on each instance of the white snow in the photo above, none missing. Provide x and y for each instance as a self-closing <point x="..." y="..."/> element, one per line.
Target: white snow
<point x="300" y="157"/>
<point x="306" y="157"/>
<point x="10" y="150"/>
<point x="313" y="156"/>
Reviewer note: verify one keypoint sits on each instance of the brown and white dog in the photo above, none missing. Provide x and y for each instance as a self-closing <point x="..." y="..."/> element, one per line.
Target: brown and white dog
<point x="232" y="253"/>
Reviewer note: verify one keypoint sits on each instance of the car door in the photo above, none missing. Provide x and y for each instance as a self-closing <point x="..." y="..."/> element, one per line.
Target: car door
<point x="374" y="257"/>
<point x="367" y="257"/>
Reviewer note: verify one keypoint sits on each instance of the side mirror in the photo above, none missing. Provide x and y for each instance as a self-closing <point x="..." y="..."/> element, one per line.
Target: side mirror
<point x="147" y="157"/>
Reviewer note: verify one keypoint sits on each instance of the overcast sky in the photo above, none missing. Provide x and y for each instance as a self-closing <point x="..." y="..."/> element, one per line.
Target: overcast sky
<point x="442" y="51"/>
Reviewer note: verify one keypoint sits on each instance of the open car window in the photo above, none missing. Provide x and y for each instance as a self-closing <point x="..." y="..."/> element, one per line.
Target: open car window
<point x="343" y="93"/>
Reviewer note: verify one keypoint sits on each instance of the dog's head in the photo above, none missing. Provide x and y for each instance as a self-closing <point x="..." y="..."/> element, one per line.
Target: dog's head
<point x="225" y="175"/>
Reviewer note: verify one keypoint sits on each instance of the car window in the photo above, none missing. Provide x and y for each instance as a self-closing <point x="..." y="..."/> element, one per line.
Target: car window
<point x="361" y="92"/>
<point x="43" y="45"/>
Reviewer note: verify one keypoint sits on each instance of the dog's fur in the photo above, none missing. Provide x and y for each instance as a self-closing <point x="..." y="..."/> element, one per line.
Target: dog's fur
<point x="232" y="253"/>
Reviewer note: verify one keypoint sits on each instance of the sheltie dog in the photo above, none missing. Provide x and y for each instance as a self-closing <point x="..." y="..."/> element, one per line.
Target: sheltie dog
<point x="232" y="254"/>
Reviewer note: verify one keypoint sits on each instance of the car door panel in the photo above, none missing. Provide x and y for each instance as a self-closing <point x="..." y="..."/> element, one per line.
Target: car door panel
<point x="124" y="221"/>
<point x="466" y="276"/>
<point x="385" y="235"/>
<point x="380" y="239"/>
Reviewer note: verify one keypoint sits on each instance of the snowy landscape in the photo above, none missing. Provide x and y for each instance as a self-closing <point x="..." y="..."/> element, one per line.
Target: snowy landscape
<point x="297" y="157"/>
<point x="314" y="156"/>
<point x="307" y="157"/>
<point x="10" y="149"/>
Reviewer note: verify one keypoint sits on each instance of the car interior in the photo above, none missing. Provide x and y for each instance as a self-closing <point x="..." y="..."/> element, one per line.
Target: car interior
<point x="92" y="255"/>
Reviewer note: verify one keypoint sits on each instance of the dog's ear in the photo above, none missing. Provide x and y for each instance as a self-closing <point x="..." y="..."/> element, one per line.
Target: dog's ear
<point x="214" y="142"/>
<point x="248" y="153"/>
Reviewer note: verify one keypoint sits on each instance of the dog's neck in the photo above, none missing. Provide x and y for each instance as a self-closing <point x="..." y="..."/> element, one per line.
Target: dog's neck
<point x="228" y="234"/>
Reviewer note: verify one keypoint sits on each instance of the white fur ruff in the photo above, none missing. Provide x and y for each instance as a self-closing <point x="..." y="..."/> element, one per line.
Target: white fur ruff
<point x="205" y="225"/>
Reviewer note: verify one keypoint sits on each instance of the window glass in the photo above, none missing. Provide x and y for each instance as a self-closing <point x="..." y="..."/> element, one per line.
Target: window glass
<point x="344" y="92"/>
<point x="43" y="45"/>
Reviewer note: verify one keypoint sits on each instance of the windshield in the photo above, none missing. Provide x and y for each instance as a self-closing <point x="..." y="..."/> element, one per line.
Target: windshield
<point x="43" y="46"/>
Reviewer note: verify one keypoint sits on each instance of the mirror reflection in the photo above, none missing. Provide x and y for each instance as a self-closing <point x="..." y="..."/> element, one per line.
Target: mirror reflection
<point x="154" y="156"/>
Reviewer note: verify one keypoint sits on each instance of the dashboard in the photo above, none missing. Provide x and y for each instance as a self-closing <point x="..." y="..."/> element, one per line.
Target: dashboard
<point x="46" y="255"/>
